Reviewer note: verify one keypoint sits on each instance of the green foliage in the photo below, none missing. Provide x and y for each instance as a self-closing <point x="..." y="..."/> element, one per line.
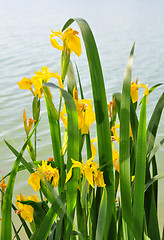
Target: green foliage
<point x="125" y="177"/>
<point x="139" y="184"/>
<point x="101" y="218"/>
<point x="7" y="200"/>
<point x="82" y="199"/>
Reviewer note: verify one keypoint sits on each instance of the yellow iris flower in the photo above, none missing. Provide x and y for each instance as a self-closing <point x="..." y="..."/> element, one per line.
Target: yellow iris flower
<point x="51" y="174"/>
<point x="86" y="116"/>
<point x="71" y="42"/>
<point x="25" y="83"/>
<point x="134" y="90"/>
<point x="90" y="171"/>
<point x="38" y="80"/>
<point x="26" y="211"/>
<point x="93" y="148"/>
<point x="115" y="156"/>
<point x="113" y="129"/>
<point x="116" y="136"/>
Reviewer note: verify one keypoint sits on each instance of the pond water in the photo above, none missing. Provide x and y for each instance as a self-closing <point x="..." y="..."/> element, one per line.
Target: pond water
<point x="25" y="47"/>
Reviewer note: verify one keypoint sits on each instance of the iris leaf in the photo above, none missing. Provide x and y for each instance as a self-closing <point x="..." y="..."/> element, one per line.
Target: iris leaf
<point x="125" y="178"/>
<point x="102" y="120"/>
<point x="53" y="117"/>
<point x="101" y="216"/>
<point x="7" y="201"/>
<point x="152" y="180"/>
<point x="140" y="169"/>
<point x="23" y="161"/>
<point x="73" y="152"/>
<point x="153" y="123"/>
<point x="154" y="150"/>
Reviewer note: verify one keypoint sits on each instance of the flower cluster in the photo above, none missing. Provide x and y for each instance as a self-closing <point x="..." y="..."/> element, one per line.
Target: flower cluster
<point x="111" y="108"/>
<point x="44" y="171"/>
<point x="86" y="116"/>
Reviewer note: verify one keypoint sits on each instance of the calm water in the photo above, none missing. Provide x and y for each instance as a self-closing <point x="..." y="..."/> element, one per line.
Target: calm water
<point x="25" y="47"/>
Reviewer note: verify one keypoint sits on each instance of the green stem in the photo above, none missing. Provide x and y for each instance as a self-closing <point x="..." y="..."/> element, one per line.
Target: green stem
<point x="84" y="223"/>
<point x="35" y="140"/>
<point x="60" y="104"/>
<point x="41" y="196"/>
<point x="90" y="224"/>
<point x="62" y="170"/>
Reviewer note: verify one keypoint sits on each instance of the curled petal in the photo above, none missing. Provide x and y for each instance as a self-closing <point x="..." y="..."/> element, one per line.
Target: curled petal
<point x="86" y="116"/>
<point x="93" y="148"/>
<point x="134" y="92"/>
<point x="55" y="179"/>
<point x="116" y="160"/>
<point x="69" y="175"/>
<point x="26" y="211"/>
<point x="99" y="179"/>
<point x="94" y="166"/>
<point x="37" y="86"/>
<point x="34" y="181"/>
<point x="75" y="94"/>
<point x="64" y="118"/>
<point x="89" y="175"/>
<point x="89" y="161"/>
<point x="55" y="44"/>
<point x="25" y="83"/>
<point x="74" y="45"/>
<point x="56" y="34"/>
<point x="60" y="81"/>
<point x="71" y="42"/>
<point x="146" y="89"/>
<point x="113" y="129"/>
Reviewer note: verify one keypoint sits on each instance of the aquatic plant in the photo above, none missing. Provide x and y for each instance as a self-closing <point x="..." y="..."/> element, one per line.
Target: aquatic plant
<point x="108" y="195"/>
